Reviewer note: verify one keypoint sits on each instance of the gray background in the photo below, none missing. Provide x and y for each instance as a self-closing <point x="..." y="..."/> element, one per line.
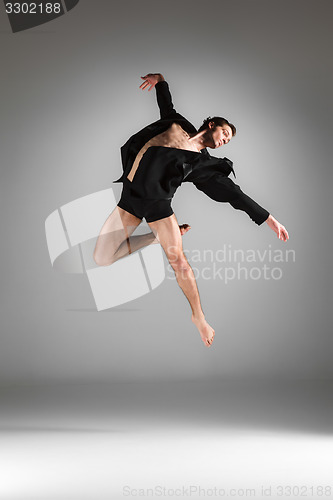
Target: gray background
<point x="70" y="99"/>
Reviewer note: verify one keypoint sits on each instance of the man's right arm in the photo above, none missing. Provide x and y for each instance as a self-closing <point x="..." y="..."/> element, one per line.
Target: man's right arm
<point x="163" y="95"/>
<point x="164" y="100"/>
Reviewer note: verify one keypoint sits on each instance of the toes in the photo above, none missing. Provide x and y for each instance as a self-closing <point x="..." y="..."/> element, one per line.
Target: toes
<point x="183" y="231"/>
<point x="185" y="227"/>
<point x="210" y="341"/>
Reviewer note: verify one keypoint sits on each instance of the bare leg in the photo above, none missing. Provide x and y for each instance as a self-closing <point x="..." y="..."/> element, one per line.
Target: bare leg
<point x="169" y="236"/>
<point x="134" y="243"/>
<point x="116" y="229"/>
<point x="114" y="240"/>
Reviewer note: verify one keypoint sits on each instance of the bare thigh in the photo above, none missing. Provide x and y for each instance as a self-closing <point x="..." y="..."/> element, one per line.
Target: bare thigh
<point x="169" y="236"/>
<point x="116" y="229"/>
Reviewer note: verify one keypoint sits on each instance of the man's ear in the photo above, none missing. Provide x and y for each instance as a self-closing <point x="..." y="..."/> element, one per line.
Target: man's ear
<point x="211" y="124"/>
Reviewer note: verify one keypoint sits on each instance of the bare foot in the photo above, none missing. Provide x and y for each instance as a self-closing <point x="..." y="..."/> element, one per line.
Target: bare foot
<point x="207" y="333"/>
<point x="184" y="228"/>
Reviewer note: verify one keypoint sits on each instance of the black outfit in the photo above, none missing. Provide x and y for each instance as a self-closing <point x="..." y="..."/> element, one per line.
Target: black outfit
<point x="150" y="209"/>
<point x="163" y="169"/>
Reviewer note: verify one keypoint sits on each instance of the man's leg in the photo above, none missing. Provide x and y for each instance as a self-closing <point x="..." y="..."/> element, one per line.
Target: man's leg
<point x="134" y="243"/>
<point x="167" y="233"/>
<point x="115" y="242"/>
<point x="114" y="234"/>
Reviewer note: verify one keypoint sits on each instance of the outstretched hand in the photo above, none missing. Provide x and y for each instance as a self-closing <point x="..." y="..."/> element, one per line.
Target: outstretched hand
<point x="278" y="228"/>
<point x="151" y="79"/>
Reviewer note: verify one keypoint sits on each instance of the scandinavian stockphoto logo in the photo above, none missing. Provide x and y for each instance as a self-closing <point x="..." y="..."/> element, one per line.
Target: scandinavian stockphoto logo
<point x="71" y="235"/>
<point x="228" y="264"/>
<point x="72" y="232"/>
<point x="25" y="15"/>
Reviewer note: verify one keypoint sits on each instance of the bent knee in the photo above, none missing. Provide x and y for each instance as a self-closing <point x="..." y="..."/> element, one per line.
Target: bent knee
<point x="101" y="260"/>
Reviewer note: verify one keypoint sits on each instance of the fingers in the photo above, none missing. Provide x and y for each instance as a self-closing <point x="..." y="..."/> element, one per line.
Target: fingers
<point x="144" y="85"/>
<point x="283" y="234"/>
<point x="146" y="82"/>
<point x="149" y="80"/>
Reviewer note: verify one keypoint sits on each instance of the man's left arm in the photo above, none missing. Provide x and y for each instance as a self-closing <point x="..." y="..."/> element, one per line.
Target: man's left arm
<point x="223" y="189"/>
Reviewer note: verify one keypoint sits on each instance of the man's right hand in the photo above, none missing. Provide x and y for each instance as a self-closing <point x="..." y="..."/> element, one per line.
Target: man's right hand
<point x="151" y="79"/>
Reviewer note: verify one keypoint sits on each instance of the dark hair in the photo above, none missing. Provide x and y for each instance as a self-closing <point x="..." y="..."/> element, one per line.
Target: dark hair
<point x="219" y="121"/>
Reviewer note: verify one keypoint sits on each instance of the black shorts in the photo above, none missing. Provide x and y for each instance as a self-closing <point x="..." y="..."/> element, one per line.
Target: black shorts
<point x="151" y="210"/>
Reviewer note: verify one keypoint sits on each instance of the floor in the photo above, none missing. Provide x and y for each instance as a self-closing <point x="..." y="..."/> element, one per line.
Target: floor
<point x="185" y="439"/>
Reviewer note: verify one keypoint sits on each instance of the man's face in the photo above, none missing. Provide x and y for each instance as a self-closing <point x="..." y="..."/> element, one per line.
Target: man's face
<point x="219" y="135"/>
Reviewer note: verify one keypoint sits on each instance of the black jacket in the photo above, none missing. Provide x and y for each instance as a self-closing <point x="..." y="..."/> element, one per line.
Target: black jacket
<point x="212" y="176"/>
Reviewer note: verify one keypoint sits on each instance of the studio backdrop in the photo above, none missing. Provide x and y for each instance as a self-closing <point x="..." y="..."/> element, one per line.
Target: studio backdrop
<point x="70" y="99"/>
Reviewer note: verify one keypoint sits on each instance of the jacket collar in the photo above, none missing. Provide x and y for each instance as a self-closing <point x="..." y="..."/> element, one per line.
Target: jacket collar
<point x="230" y="163"/>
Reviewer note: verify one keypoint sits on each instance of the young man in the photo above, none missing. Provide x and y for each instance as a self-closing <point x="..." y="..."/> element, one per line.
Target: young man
<point x="156" y="161"/>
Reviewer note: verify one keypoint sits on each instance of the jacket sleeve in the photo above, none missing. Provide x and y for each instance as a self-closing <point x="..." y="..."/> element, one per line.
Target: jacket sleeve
<point x="164" y="100"/>
<point x="221" y="188"/>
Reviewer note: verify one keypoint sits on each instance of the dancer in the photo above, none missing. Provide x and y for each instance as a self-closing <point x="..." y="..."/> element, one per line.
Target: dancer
<point x="156" y="161"/>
